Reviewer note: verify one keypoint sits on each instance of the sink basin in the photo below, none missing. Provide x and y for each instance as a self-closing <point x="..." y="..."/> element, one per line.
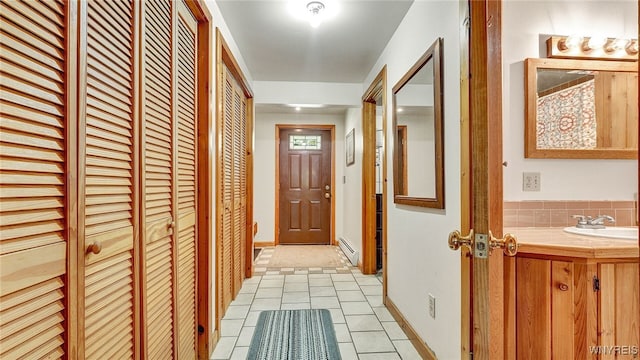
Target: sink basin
<point x="629" y="233"/>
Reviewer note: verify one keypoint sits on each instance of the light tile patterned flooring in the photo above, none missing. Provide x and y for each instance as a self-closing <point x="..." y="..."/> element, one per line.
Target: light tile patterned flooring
<point x="365" y="329"/>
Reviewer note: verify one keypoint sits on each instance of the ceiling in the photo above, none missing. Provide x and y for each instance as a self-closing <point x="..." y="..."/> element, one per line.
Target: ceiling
<point x="276" y="46"/>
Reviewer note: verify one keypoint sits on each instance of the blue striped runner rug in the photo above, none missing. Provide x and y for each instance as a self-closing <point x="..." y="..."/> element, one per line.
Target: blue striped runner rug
<point x="294" y="335"/>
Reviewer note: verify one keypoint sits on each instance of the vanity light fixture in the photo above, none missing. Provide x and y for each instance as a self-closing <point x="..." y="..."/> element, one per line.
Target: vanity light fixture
<point x="594" y="47"/>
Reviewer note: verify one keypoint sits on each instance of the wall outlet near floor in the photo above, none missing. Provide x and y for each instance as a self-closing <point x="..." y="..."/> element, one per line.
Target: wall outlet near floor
<point x="432" y="306"/>
<point x="530" y="181"/>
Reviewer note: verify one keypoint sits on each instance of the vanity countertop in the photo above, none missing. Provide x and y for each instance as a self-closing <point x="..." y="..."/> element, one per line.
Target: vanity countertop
<point x="555" y="241"/>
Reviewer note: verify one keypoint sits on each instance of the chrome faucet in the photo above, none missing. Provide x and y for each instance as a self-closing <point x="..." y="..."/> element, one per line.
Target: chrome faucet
<point x="587" y="222"/>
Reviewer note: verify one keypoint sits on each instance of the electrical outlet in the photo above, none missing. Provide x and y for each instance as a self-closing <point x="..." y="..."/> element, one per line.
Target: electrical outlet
<point x="432" y="306"/>
<point x="531" y="181"/>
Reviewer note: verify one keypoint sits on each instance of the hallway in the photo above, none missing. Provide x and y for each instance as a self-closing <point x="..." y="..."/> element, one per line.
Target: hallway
<point x="364" y="327"/>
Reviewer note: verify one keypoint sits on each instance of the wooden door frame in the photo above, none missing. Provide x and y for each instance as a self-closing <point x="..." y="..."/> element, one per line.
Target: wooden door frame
<point x="224" y="57"/>
<point x="332" y="128"/>
<point x="484" y="330"/>
<point x="204" y="170"/>
<point x="378" y="87"/>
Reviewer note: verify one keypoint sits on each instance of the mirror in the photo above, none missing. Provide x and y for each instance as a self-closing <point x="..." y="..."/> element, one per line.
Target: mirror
<point x="584" y="109"/>
<point x="418" y="165"/>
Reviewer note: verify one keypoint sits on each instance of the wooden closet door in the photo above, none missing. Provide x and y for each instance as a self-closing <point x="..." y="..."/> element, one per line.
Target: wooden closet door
<point x="226" y="247"/>
<point x="187" y="186"/>
<point x="108" y="182"/>
<point x="239" y="186"/>
<point x="34" y="199"/>
<point x="158" y="318"/>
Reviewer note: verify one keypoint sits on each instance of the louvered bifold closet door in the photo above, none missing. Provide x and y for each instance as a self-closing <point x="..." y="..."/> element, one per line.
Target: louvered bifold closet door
<point x="109" y="222"/>
<point x="227" y="191"/>
<point x="158" y="175"/>
<point x="33" y="239"/>
<point x="238" y="225"/>
<point x="186" y="141"/>
<point x="243" y="186"/>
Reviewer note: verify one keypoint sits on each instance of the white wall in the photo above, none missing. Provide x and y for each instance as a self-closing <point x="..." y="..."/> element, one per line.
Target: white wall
<point x="560" y="179"/>
<point x="264" y="167"/>
<point x="419" y="260"/>
<point x="352" y="200"/>
<point x="290" y="92"/>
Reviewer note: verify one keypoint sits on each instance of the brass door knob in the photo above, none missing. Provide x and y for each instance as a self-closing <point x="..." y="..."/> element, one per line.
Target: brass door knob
<point x="509" y="244"/>
<point x="95" y="248"/>
<point x="456" y="240"/>
<point x="327" y="195"/>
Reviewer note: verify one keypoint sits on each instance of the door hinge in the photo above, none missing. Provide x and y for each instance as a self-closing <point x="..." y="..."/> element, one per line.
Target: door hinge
<point x="596" y="284"/>
<point x="471" y="355"/>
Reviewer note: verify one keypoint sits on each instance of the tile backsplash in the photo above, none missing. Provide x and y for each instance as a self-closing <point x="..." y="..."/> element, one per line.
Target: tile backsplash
<point x="558" y="213"/>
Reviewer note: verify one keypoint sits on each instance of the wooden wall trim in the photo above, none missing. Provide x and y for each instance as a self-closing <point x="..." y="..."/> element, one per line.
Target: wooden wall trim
<point x="378" y="87"/>
<point x="262" y="244"/>
<point x="205" y="135"/>
<point x="332" y="239"/>
<point x="421" y="346"/>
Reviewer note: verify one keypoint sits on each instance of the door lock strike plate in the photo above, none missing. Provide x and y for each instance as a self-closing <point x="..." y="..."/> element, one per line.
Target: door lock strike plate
<point x="482" y="246"/>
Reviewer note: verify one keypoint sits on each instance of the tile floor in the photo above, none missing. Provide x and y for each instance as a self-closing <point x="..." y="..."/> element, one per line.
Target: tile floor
<point x="364" y="327"/>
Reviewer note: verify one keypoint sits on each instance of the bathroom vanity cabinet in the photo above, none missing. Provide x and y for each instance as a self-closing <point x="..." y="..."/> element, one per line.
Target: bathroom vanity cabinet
<point x="575" y="300"/>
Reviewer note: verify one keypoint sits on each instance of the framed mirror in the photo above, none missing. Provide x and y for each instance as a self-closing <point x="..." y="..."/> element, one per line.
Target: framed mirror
<point x="418" y="165"/>
<point x="581" y="109"/>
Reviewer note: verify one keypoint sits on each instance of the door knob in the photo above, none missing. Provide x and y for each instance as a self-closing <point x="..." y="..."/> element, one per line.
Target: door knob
<point x="456" y="240"/>
<point x="95" y="248"/>
<point x="327" y="195"/>
<point x="509" y="244"/>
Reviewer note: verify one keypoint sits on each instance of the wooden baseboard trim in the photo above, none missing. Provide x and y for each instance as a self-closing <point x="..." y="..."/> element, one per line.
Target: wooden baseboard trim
<point x="261" y="244"/>
<point x="422" y="348"/>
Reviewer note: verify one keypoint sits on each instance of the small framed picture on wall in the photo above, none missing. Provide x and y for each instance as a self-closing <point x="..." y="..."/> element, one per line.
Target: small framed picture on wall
<point x="350" y="146"/>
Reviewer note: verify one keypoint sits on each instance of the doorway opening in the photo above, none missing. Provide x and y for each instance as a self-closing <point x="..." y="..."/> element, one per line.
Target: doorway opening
<point x="374" y="183"/>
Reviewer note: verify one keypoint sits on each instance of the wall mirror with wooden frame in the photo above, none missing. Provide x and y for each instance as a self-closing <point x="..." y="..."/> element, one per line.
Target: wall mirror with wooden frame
<point x="418" y="165"/>
<point x="581" y="109"/>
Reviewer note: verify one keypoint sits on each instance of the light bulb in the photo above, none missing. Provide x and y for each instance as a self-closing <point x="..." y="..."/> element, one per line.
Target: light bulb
<point x="569" y="43"/>
<point x="595" y="42"/>
<point x="616" y="45"/>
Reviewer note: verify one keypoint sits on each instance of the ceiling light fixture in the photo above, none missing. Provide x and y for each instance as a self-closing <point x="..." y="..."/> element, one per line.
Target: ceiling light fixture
<point x="316" y="10"/>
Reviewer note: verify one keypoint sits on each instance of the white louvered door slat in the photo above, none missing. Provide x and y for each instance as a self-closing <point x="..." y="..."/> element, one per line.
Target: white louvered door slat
<point x="33" y="196"/>
<point x="186" y="173"/>
<point x="108" y="166"/>
<point x="158" y="169"/>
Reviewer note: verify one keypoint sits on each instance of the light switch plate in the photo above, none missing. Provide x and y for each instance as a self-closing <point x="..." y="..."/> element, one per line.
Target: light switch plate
<point x="531" y="181"/>
<point x="432" y="306"/>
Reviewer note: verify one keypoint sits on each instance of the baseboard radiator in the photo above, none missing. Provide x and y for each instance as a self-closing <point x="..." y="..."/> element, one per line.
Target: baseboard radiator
<point x="348" y="249"/>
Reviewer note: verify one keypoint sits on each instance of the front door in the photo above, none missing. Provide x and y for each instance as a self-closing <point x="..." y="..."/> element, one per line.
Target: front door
<point x="305" y="186"/>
